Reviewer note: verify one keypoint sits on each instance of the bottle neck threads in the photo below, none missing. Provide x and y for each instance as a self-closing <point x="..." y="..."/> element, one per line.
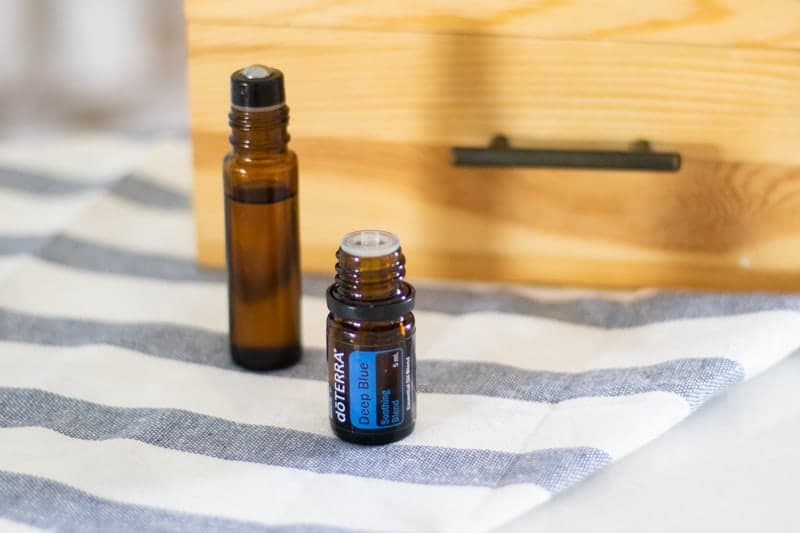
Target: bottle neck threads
<point x="259" y="131"/>
<point x="370" y="279"/>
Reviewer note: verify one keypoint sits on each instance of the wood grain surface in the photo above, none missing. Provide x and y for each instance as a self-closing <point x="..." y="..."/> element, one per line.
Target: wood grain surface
<point x="374" y="114"/>
<point x="460" y="89"/>
<point x="750" y="23"/>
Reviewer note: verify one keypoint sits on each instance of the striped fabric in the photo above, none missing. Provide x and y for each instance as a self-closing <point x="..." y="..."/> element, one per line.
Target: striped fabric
<point x="120" y="408"/>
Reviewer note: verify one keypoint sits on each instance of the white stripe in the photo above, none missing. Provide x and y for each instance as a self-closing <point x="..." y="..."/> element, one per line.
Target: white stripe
<point x="136" y="473"/>
<point x="561" y="294"/>
<point x="169" y="162"/>
<point x="7" y="526"/>
<point x="756" y="340"/>
<point x="43" y="288"/>
<point x="548" y="294"/>
<point x="26" y="214"/>
<point x="93" y="158"/>
<point x="121" y="378"/>
<point x="9" y="264"/>
<point x="121" y="224"/>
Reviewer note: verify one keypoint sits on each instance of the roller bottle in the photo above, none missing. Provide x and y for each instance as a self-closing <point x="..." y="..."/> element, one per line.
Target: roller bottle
<point x="261" y="224"/>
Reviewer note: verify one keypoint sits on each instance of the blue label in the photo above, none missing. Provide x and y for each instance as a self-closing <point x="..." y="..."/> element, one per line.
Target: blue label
<point x="376" y="389"/>
<point x="363" y="404"/>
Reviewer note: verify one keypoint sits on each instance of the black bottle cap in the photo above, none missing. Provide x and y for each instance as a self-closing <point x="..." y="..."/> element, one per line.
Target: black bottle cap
<point x="257" y="86"/>
<point x="372" y="310"/>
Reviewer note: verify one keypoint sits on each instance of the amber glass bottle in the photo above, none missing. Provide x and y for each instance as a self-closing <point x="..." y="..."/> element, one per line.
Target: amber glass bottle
<point x="370" y="341"/>
<point x="262" y="241"/>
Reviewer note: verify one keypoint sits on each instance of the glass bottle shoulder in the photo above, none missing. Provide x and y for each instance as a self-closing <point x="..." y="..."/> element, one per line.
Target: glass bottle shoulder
<point x="372" y="331"/>
<point x="407" y="321"/>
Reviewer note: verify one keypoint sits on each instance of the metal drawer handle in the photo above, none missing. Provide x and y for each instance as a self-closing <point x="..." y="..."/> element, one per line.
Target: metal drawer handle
<point x="500" y="154"/>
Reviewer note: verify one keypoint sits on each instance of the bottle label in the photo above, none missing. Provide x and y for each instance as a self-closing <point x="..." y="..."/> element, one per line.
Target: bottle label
<point x="372" y="388"/>
<point x="377" y="388"/>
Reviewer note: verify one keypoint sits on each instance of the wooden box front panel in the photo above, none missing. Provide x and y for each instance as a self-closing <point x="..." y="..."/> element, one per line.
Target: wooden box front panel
<point x="375" y="112"/>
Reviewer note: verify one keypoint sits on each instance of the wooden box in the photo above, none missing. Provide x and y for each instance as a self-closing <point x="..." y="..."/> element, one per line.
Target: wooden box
<point x="379" y="91"/>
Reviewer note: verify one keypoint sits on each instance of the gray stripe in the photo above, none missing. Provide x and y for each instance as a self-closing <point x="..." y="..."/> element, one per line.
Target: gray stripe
<point x="143" y="191"/>
<point x="161" y="340"/>
<point x="598" y="312"/>
<point x="85" y="255"/>
<point x="43" y="185"/>
<point x="552" y="469"/>
<point x="694" y="379"/>
<point x="673" y="305"/>
<point x="131" y="187"/>
<point x="592" y="311"/>
<point x="48" y="504"/>
<point x="21" y="244"/>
